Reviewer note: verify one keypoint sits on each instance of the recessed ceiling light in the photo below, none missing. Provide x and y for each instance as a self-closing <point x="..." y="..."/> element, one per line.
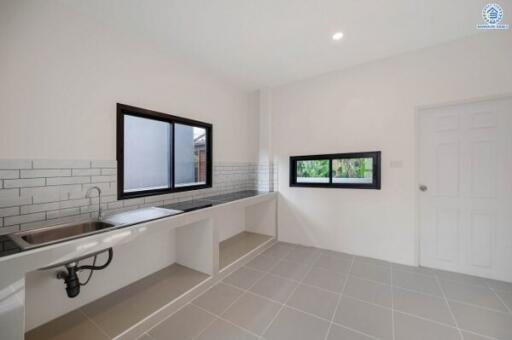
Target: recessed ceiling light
<point x="337" y="36"/>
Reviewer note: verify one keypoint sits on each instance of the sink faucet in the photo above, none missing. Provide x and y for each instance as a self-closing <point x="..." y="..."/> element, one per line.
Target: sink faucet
<point x="88" y="195"/>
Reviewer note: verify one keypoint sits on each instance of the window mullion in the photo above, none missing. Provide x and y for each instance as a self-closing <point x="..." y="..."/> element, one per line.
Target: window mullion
<point x="173" y="155"/>
<point x="330" y="170"/>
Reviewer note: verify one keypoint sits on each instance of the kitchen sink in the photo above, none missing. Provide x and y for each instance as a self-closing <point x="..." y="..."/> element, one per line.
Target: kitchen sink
<point x="42" y="236"/>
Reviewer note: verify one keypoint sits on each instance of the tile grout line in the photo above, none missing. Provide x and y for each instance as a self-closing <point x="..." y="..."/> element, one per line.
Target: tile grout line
<point x="339" y="298"/>
<point x="298" y="283"/>
<point x="499" y="298"/>
<point x="308" y="313"/>
<point x="191" y="302"/>
<point x="363" y="301"/>
<point x="286" y="300"/>
<point x="393" y="309"/>
<point x="216" y="318"/>
<point x="220" y="317"/>
<point x="449" y="307"/>
<point x="95" y="324"/>
<point x="502" y="302"/>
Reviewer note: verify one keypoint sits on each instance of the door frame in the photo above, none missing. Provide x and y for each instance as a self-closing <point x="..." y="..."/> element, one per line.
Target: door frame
<point x="418" y="110"/>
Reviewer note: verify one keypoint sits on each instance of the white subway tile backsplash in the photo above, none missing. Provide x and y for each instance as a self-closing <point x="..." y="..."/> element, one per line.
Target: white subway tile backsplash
<point x="24" y="218"/>
<point x="53" y="193"/>
<point x="9" y="174"/>
<point x="109" y="172"/>
<point x="101" y="179"/>
<point x="133" y="202"/>
<point x="68" y="180"/>
<point x="24" y="183"/>
<point x="86" y="172"/>
<point x="61" y="198"/>
<point x="6" y="164"/>
<point x="62" y="213"/>
<point x="7" y="230"/>
<point x="60" y="164"/>
<point x="12" y="211"/>
<point x="29" y="209"/>
<point x="73" y="203"/>
<point x="45" y="173"/>
<point x="11" y="198"/>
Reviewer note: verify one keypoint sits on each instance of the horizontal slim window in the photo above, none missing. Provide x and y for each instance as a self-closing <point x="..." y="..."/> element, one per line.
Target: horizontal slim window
<point x="346" y="170"/>
<point x="158" y="153"/>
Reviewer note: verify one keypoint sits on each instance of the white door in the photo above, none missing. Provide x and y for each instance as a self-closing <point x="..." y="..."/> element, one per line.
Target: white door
<point x="465" y="188"/>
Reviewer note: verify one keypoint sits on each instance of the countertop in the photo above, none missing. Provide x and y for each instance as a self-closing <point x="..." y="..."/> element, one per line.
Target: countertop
<point x="8" y="247"/>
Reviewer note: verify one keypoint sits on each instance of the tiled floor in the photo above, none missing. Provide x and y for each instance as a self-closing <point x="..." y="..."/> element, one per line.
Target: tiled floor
<point x="297" y="293"/>
<point x="109" y="316"/>
<point x="237" y="246"/>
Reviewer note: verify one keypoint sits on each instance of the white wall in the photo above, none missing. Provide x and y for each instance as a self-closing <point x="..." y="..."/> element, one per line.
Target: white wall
<point x="372" y="107"/>
<point x="62" y="74"/>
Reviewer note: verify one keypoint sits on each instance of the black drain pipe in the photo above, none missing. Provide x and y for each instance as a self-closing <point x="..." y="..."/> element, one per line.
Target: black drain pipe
<point x="71" y="276"/>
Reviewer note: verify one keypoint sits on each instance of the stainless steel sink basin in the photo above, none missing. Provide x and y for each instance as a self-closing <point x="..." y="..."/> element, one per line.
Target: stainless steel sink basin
<point x="38" y="237"/>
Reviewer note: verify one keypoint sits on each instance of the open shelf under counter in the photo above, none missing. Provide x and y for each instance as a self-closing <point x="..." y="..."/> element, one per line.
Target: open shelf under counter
<point x="117" y="312"/>
<point x="236" y="247"/>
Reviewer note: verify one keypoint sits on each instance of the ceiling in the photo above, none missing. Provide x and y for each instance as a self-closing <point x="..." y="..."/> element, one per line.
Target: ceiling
<point x="261" y="43"/>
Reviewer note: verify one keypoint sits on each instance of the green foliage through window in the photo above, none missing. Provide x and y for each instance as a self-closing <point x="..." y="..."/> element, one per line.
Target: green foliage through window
<point x="316" y="168"/>
<point x="352" y="168"/>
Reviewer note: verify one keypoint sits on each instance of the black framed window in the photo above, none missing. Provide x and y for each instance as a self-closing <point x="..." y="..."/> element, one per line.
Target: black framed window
<point x="359" y="170"/>
<point x="159" y="153"/>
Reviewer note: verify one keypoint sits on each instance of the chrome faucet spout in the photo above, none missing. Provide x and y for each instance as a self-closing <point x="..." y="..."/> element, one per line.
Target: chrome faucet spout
<point x="88" y="195"/>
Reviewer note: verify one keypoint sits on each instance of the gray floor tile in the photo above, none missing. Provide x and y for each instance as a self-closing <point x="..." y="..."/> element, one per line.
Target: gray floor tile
<point x="235" y="247"/>
<point x="333" y="263"/>
<point x="506" y="297"/>
<point x="244" y="277"/>
<point x="371" y="271"/>
<point x="218" y="298"/>
<point x="294" y="325"/>
<point x="252" y="312"/>
<point x="373" y="261"/>
<point x="326" y="279"/>
<point x="481" y="321"/>
<point x="340" y="255"/>
<point x="426" y="306"/>
<point x="274" y="287"/>
<point x="303" y="254"/>
<point x="341" y="333"/>
<point x="370" y="291"/>
<point x="278" y="250"/>
<point x="314" y="300"/>
<point x="475" y="295"/>
<point x="364" y="317"/>
<point x="290" y="270"/>
<point x="74" y="325"/>
<point x="500" y="285"/>
<point x="416" y="282"/>
<point x="461" y="278"/>
<point x="186" y="324"/>
<point x="263" y="262"/>
<point x="145" y="337"/>
<point x="221" y="330"/>
<point x="409" y="328"/>
<point x="412" y="269"/>
<point x="472" y="336"/>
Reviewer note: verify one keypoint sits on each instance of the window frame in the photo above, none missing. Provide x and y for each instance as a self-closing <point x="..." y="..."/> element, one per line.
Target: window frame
<point x="376" y="178"/>
<point x="123" y="110"/>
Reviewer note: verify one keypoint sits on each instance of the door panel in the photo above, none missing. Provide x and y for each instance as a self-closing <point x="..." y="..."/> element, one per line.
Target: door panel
<point x="465" y="161"/>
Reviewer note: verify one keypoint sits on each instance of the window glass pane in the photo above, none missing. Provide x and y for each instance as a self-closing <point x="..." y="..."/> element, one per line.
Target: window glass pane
<point x="190" y="159"/>
<point x="352" y="170"/>
<point x="314" y="171"/>
<point x="147" y="152"/>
